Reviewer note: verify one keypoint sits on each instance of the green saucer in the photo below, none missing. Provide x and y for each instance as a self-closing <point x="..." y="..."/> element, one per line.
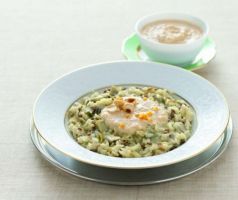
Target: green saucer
<point x="132" y="51"/>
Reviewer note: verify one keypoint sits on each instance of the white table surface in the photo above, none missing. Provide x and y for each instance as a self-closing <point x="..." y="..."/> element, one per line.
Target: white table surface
<point x="43" y="39"/>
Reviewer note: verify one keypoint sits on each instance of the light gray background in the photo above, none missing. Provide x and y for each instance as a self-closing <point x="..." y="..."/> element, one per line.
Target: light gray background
<point x="41" y="40"/>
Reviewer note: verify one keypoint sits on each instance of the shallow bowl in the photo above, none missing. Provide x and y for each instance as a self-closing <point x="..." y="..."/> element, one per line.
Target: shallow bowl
<point x="212" y="113"/>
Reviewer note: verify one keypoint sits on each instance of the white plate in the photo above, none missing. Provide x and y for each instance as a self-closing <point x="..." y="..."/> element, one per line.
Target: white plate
<point x="212" y="113"/>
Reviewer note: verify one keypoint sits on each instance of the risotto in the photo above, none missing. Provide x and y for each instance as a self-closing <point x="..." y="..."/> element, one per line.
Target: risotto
<point x="130" y="121"/>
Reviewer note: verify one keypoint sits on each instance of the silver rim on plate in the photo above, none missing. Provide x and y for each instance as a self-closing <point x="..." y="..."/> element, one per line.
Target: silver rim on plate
<point x="131" y="177"/>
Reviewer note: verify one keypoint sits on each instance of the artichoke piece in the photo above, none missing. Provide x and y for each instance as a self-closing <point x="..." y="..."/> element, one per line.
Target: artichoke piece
<point x="100" y="137"/>
<point x="101" y="125"/>
<point x="114" y="90"/>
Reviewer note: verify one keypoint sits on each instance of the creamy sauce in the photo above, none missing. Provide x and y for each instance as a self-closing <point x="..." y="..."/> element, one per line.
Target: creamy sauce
<point x="171" y="31"/>
<point x="131" y="114"/>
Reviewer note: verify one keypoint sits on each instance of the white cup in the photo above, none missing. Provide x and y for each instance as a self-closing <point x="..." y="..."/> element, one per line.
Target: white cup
<point x="176" y="54"/>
